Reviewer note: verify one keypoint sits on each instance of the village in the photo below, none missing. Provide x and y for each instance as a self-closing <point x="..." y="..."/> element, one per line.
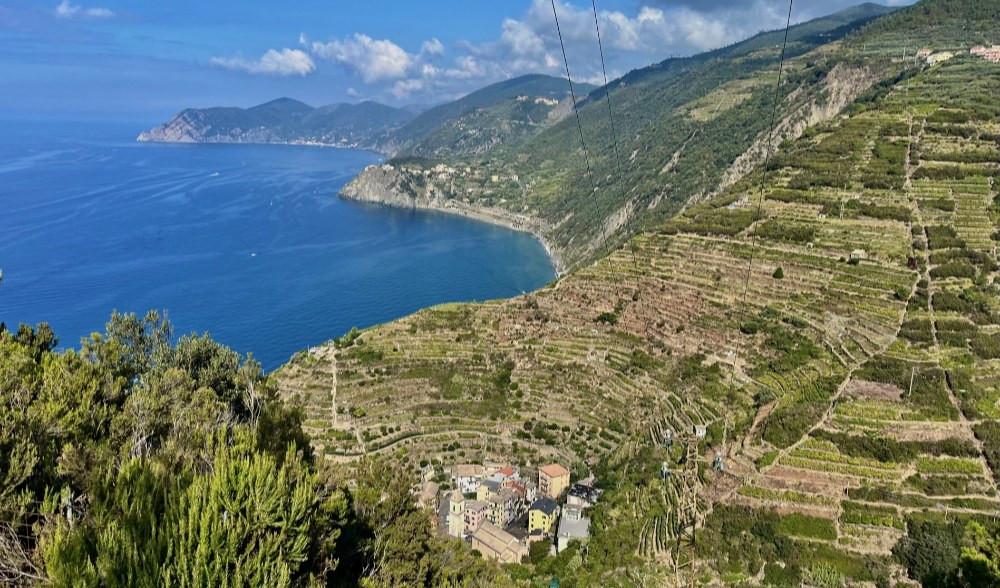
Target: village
<point x="502" y="511"/>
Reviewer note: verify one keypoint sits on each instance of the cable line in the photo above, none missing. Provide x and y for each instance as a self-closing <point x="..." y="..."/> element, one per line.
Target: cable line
<point x="614" y="139"/>
<point x="572" y="94"/>
<point x="753" y="236"/>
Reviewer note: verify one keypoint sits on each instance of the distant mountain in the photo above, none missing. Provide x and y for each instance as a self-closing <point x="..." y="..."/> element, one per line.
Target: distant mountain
<point x="507" y="111"/>
<point x="282" y="121"/>
<point x="440" y="130"/>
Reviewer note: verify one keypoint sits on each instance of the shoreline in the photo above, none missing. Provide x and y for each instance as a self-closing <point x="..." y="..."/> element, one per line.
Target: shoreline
<point x="492" y="216"/>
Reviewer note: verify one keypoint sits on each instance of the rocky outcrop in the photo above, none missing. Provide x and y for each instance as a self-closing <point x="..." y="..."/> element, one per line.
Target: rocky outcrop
<point x="839" y="89"/>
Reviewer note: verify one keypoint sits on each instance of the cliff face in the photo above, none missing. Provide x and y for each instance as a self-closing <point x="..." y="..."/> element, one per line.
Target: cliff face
<point x="191" y="126"/>
<point x="389" y="185"/>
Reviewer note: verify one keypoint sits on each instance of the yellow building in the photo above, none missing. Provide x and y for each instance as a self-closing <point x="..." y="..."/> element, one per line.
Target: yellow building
<point x="542" y="515"/>
<point x="487" y="489"/>
<point x="552" y="480"/>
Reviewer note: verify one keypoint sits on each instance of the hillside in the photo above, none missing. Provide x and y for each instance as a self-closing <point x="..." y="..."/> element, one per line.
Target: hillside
<point x="282" y="121"/>
<point x="683" y="126"/>
<point x="499" y="114"/>
<point x="792" y="379"/>
<point x="853" y="400"/>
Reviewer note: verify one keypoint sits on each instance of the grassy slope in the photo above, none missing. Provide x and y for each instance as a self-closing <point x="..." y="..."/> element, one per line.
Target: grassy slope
<point x="430" y="123"/>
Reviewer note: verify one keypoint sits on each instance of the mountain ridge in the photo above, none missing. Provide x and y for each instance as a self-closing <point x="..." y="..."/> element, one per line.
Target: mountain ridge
<point x="366" y="125"/>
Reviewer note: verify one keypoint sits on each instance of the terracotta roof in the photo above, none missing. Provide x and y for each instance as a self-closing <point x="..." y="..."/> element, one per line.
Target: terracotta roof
<point x="554" y="470"/>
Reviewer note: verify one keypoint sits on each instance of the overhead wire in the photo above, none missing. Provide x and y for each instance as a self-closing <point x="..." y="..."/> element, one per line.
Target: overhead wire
<point x="614" y="134"/>
<point x="572" y="93"/>
<point x="768" y="150"/>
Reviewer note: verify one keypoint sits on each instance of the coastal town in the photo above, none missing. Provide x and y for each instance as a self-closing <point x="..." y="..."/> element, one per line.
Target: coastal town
<point x="505" y="512"/>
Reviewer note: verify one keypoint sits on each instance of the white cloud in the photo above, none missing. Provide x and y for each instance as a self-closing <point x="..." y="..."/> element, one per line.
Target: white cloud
<point x="287" y="62"/>
<point x="648" y="33"/>
<point x="67" y="10"/>
<point x="374" y="60"/>
<point x="403" y="89"/>
<point x="433" y="47"/>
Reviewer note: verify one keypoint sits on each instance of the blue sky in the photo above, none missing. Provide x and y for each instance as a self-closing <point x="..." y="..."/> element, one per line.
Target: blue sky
<point x="143" y="59"/>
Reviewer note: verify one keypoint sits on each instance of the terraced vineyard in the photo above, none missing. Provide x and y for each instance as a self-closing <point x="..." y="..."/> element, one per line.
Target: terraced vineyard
<point x="856" y="390"/>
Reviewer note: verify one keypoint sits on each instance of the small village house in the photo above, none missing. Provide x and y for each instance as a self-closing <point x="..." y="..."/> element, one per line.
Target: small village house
<point x="552" y="480"/>
<point x="476" y="512"/>
<point x="466" y="477"/>
<point x="504" y="507"/>
<point x="487" y="489"/>
<point x="582" y="496"/>
<point x="542" y="515"/>
<point x="573" y="526"/>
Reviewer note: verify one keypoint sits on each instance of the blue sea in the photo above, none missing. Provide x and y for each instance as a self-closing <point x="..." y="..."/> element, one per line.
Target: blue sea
<point x="249" y="243"/>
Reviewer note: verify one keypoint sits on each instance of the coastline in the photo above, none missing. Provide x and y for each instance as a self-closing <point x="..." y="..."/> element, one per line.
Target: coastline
<point x="497" y="217"/>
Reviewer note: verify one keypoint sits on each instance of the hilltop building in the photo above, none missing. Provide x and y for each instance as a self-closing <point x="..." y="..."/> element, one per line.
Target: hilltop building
<point x="552" y="480"/>
<point x="991" y="54"/>
<point x="939" y="57"/>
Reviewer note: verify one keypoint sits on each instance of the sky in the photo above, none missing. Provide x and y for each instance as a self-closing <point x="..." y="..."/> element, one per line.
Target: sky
<point x="140" y="59"/>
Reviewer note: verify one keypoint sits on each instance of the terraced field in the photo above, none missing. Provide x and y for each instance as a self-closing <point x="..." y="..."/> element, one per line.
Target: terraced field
<point x="848" y="383"/>
<point x="900" y="436"/>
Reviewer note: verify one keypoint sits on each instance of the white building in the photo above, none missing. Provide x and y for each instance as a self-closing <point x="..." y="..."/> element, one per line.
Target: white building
<point x="466" y="477"/>
<point x="573" y="526"/>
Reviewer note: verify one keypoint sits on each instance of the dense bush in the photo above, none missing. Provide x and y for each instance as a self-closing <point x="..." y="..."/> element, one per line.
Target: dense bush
<point x="988" y="433"/>
<point x="954" y="269"/>
<point x="138" y="462"/>
<point x="778" y="231"/>
<point x="986" y="346"/>
<point x="943" y="237"/>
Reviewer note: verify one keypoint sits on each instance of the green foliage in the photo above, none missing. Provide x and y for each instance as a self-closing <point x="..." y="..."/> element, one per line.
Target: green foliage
<point x="139" y="463"/>
<point x="800" y="525"/>
<point x="980" y="561"/>
<point x="943" y="237"/>
<point x="778" y="231"/>
<point x="986" y="346"/>
<point x="778" y="274"/>
<point x="348" y="339"/>
<point x="791" y="419"/>
<point x="988" y="433"/>
<point x="931" y="549"/>
<point x="954" y="269"/>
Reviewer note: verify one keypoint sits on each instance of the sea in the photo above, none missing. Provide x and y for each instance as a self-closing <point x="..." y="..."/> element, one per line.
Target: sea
<point x="248" y="243"/>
